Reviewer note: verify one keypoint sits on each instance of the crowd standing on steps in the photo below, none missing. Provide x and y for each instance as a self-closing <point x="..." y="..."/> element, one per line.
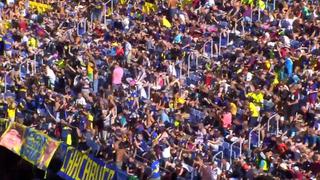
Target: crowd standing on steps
<point x="168" y="89"/>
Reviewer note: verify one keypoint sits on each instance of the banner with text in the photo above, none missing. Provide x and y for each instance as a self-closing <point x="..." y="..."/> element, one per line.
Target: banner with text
<point x="77" y="165"/>
<point x="32" y="145"/>
<point x="38" y="148"/>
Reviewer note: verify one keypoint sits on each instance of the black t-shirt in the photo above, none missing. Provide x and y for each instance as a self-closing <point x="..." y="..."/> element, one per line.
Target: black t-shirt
<point x="309" y="117"/>
<point x="1" y="48"/>
<point x="284" y="94"/>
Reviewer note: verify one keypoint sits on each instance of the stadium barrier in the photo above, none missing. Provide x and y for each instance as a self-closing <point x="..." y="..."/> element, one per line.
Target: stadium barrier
<point x="235" y="151"/>
<point x="218" y="159"/>
<point x="269" y="126"/>
<point x="6" y="80"/>
<point x="254" y="137"/>
<point x="223" y="41"/>
<point x="211" y="48"/>
<point x="81" y="27"/>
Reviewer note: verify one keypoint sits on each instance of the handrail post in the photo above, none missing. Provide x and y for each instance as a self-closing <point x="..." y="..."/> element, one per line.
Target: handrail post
<point x="231" y="149"/>
<point x="277" y="127"/>
<point x="228" y="37"/>
<point x="268" y="125"/>
<point x="231" y="152"/>
<point x="5" y="82"/>
<point x="268" y="122"/>
<point x="220" y="41"/>
<point x="254" y="129"/>
<point x="204" y="48"/>
<point x="181" y="66"/>
<point x="91" y="22"/>
<point x="84" y="25"/>
<point x="189" y="59"/>
<point x="211" y="43"/>
<point x="78" y="26"/>
<point x="251" y="15"/>
<point x="149" y="91"/>
<point x="27" y="63"/>
<point x="241" y="143"/>
<point x="259" y="135"/>
<point x="215" y="156"/>
<point x="35" y="62"/>
<point x="197" y="62"/>
<point x="111" y="6"/>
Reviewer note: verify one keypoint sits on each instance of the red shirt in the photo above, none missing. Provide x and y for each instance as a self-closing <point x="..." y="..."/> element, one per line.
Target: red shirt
<point x="282" y="148"/>
<point x="23" y="26"/>
<point x="208" y="80"/>
<point x="120" y="51"/>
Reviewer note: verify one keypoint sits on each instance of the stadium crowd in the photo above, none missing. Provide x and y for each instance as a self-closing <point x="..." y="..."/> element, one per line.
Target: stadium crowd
<point x="210" y="89"/>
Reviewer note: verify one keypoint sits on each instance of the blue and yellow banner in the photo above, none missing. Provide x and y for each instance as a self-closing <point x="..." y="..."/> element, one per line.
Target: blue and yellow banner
<point x="32" y="145"/>
<point x="77" y="166"/>
<point x="38" y="148"/>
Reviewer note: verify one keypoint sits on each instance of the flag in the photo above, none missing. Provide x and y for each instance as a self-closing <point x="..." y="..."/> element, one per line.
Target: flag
<point x="166" y="23"/>
<point x="41" y="8"/>
<point x="147" y="8"/>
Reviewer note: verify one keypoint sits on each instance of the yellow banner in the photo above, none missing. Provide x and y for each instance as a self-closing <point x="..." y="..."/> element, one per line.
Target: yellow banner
<point x="32" y="145"/>
<point x="38" y="148"/>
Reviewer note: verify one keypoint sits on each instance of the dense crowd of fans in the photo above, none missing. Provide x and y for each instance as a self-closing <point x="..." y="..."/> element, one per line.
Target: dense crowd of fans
<point x="163" y="88"/>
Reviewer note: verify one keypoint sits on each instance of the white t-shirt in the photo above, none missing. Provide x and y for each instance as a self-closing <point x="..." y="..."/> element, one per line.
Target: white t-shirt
<point x="81" y="101"/>
<point x="166" y="152"/>
<point x="172" y="70"/>
<point x="215" y="173"/>
<point x="51" y="74"/>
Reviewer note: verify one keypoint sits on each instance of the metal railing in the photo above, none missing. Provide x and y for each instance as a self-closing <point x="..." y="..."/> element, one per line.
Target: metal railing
<point x="149" y="91"/>
<point x="193" y="56"/>
<point x="30" y="66"/>
<point x="220" y="41"/>
<point x="258" y="130"/>
<point x="91" y="22"/>
<point x="211" y="48"/>
<point x="82" y="24"/>
<point x="5" y="80"/>
<point x="181" y="67"/>
<point x="216" y="157"/>
<point x="105" y="6"/>
<point x="277" y="123"/>
<point x="232" y="154"/>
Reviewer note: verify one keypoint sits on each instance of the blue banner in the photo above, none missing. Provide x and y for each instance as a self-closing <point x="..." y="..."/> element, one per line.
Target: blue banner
<point x="77" y="165"/>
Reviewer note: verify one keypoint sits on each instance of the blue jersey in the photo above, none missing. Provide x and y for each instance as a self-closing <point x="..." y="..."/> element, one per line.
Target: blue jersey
<point x="289" y="66"/>
<point x="155" y="167"/>
<point x="8" y="42"/>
